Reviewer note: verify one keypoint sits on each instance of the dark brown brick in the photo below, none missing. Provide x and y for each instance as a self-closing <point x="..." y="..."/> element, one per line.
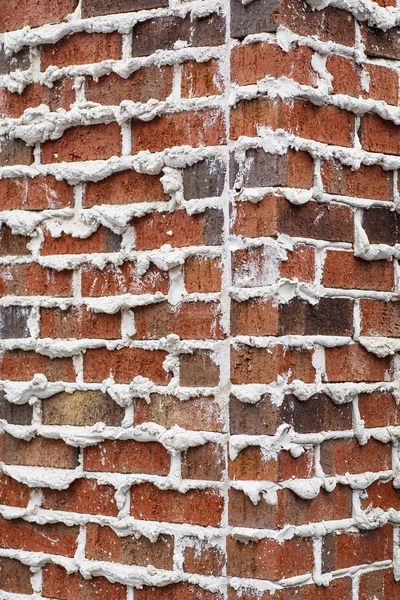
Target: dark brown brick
<point x="20" y="60"/>
<point x="14" y="322"/>
<point x="15" y="152"/>
<point x="382" y="226"/>
<point x="199" y="369"/>
<point x="318" y="413"/>
<point x="204" y="179"/>
<point x="17" y="414"/>
<point x="261" y="418"/>
<point x="15" y="576"/>
<point x="256" y="17"/>
<point x="330" y="316"/>
<point x="382" y="44"/>
<point x="243" y="513"/>
<point x="95" y="8"/>
<point x="205" y="462"/>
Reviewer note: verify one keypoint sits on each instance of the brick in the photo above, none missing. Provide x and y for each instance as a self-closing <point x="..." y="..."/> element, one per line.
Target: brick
<point x="205" y="462"/>
<point x="202" y="274"/>
<point x="294" y="169"/>
<point x="381" y="226"/>
<point x="127" y="456"/>
<point x="81" y="48"/>
<point x="267" y="559"/>
<point x="14" y="322"/>
<point x="339" y="457"/>
<point x="263" y="365"/>
<point x="204" y="179"/>
<point x="331" y="316"/>
<point x="15" y="576"/>
<point x="378" y="585"/>
<point x="196" y="507"/>
<point x="201" y="79"/>
<point x="254" y="219"/>
<point x="17" y="414"/>
<point x="196" y="414"/>
<point x="380" y="495"/>
<point x="382" y="44"/>
<point x="330" y="24"/>
<point x="202" y="128"/>
<point x="15" y="16"/>
<point x="256" y="17"/>
<point x="85" y="142"/>
<point x="354" y="363"/>
<point x="56" y="369"/>
<point x="31" y="279"/>
<point x="252" y="464"/>
<point x="378" y="409"/>
<point x="38" y="451"/>
<point x="82" y="496"/>
<point x="300" y="264"/>
<point x="57" y="583"/>
<point x="51" y="538"/>
<point x="179" y="229"/>
<point x="338" y="589"/>
<point x="125" y="187"/>
<point x="102" y="240"/>
<point x="341" y="551"/>
<point x="12" y="245"/>
<point x="327" y="506"/>
<point x="370" y="182"/>
<point x="81" y="409"/>
<point x="161" y="33"/>
<point x="79" y="323"/>
<point x="123" y="279"/>
<point x="254" y="317"/>
<point x="379" y="135"/>
<point x="203" y="558"/>
<point x="124" y="365"/>
<point x="344" y="270"/>
<point x="61" y="95"/>
<point x="19" y="60"/>
<point x="103" y="544"/>
<point x="380" y="318"/>
<point x="141" y="86"/>
<point x="326" y="124"/>
<point x="383" y="84"/>
<point x="198" y="369"/>
<point x="38" y="193"/>
<point x="252" y="62"/>
<point x="95" y="8"/>
<point x="189" y="320"/>
<point x="176" y="591"/>
<point x="318" y="413"/>
<point x="13" y="493"/>
<point x="255" y="267"/>
<point x="15" y="152"/>
<point x="261" y="418"/>
<point x="243" y="513"/>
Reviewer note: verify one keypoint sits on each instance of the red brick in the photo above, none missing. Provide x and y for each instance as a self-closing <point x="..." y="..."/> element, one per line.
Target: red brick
<point x="252" y="62"/>
<point x="338" y="589"/>
<point x="124" y="365"/>
<point x="243" y="513"/>
<point x="380" y="318"/>
<point x="82" y="496"/>
<point x="251" y="464"/>
<point x="378" y="409"/>
<point x="379" y="135"/>
<point x="378" y="585"/>
<point x="50" y="538"/>
<point x="263" y="365"/>
<point x="79" y="323"/>
<point x="81" y="48"/>
<point x="202" y="274"/>
<point x="38" y="193"/>
<point x="196" y="507"/>
<point x="176" y="591"/>
<point x="381" y="495"/>
<point x="15" y="576"/>
<point x="115" y="280"/>
<point x="102" y="240"/>
<point x="339" y="457"/>
<point x="370" y="182"/>
<point x="31" y="279"/>
<point x="57" y="583"/>
<point x="85" y="142"/>
<point x="201" y="79"/>
<point x="13" y="493"/>
<point x="189" y="320"/>
<point x="103" y="544"/>
<point x="254" y="317"/>
<point x="327" y="506"/>
<point x="39" y="451"/>
<point x="344" y="550"/>
<point x="344" y="270"/>
<point x="354" y="363"/>
<point x="15" y="15"/>
<point x="125" y="187"/>
<point x="267" y="559"/>
<point x="179" y="229"/>
<point x="55" y="369"/>
<point x="300" y="264"/>
<point x="203" y="128"/>
<point x="127" y="456"/>
<point x="61" y="95"/>
<point x="203" y="558"/>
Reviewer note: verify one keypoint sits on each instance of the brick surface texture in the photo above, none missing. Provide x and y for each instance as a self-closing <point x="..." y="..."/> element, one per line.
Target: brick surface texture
<point x="199" y="299"/>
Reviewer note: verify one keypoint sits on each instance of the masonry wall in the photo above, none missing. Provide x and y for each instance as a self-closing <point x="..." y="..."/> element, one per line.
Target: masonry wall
<point x="199" y="312"/>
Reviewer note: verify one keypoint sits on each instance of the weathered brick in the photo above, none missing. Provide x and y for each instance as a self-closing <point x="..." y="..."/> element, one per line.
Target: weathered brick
<point x="202" y="274"/>
<point x="354" y="363"/>
<point x="201" y="79"/>
<point x="339" y="457"/>
<point x="123" y="279"/>
<point x="199" y="369"/>
<point x="79" y="323"/>
<point x="15" y="152"/>
<point x="17" y="414"/>
<point x="330" y="316"/>
<point x="35" y="194"/>
<point x="378" y="585"/>
<point x="15" y="576"/>
<point x="370" y="182"/>
<point x="204" y="179"/>
<point x="14" y="15"/>
<point x="382" y="44"/>
<point x="56" y="369"/>
<point x="203" y="558"/>
<point x="81" y="408"/>
<point x="343" y="550"/>
<point x="205" y="462"/>
<point x="14" y="322"/>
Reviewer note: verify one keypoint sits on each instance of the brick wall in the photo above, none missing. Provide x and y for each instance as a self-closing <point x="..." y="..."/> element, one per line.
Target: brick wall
<point x="199" y="311"/>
